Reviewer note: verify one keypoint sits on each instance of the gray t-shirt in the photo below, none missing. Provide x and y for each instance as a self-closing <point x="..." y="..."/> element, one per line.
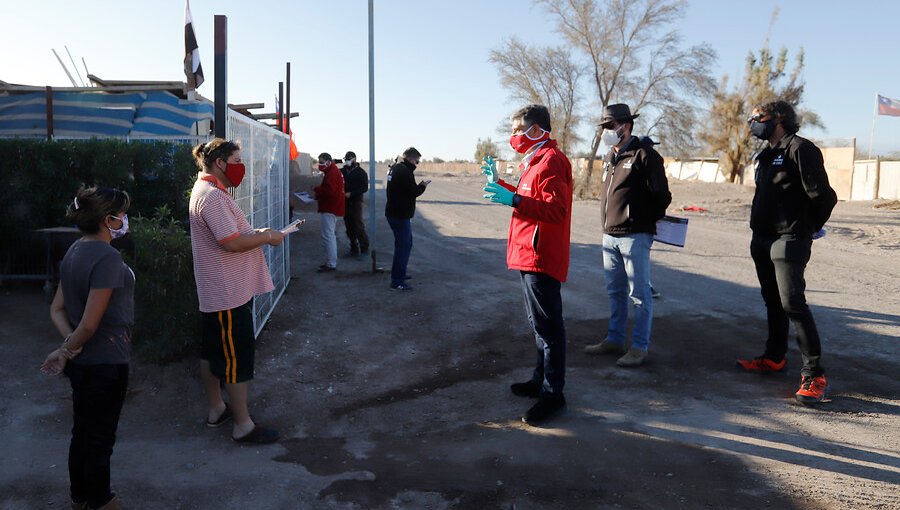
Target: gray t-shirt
<point x="97" y="265"/>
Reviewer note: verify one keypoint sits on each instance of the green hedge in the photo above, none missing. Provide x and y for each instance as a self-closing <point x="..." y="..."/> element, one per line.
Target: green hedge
<point x="40" y="177"/>
<point x="167" y="321"/>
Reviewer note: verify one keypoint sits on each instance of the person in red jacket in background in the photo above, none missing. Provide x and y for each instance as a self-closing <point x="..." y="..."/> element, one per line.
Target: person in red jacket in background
<point x="330" y="195"/>
<point x="538" y="247"/>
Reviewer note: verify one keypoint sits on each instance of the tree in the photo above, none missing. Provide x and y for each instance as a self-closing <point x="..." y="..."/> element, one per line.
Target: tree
<point x="634" y="57"/>
<point x="766" y="77"/>
<point x="485" y="148"/>
<point x="547" y="76"/>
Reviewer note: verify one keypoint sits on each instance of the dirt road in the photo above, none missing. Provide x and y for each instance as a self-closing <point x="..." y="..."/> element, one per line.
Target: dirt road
<point x="400" y="400"/>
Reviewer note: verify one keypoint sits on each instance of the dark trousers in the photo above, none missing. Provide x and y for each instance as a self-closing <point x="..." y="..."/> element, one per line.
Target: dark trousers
<point x="780" y="263"/>
<point x="403" y="242"/>
<point x="543" y="305"/>
<point x="356" y="229"/>
<point x="98" y="392"/>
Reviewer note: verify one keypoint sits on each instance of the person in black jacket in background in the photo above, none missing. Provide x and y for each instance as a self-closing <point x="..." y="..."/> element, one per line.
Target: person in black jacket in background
<point x="402" y="191"/>
<point x="356" y="184"/>
<point x="793" y="200"/>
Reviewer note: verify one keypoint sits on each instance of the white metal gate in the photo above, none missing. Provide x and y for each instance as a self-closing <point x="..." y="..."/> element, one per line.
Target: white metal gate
<point x="263" y="196"/>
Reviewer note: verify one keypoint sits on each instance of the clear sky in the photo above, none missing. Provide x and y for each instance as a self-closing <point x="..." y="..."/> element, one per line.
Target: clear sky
<point x="434" y="87"/>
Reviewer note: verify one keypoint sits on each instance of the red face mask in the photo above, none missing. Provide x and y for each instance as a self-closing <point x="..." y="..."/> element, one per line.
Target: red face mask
<point x="522" y="143"/>
<point x="234" y="172"/>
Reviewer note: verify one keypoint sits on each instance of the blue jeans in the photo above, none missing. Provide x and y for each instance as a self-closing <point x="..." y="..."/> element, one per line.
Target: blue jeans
<point x="543" y="305"/>
<point x="403" y="241"/>
<point x="626" y="268"/>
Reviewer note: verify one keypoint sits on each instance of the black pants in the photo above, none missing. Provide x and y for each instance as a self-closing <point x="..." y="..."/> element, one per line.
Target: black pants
<point x="543" y="305"/>
<point x="780" y="264"/>
<point x="356" y="229"/>
<point x="98" y="392"/>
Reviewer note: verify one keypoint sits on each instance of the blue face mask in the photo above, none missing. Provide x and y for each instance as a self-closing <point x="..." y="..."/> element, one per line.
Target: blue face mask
<point x="119" y="232"/>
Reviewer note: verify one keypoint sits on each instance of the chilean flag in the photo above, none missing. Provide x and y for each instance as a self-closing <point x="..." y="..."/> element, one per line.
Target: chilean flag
<point x="192" y="68"/>
<point x="887" y="106"/>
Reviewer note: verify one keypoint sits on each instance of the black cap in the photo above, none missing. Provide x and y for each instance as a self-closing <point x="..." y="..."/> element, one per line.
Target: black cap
<point x="616" y="112"/>
<point x="350" y="155"/>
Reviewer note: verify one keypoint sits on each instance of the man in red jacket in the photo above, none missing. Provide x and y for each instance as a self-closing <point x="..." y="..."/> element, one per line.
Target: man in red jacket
<point x="538" y="246"/>
<point x="330" y="195"/>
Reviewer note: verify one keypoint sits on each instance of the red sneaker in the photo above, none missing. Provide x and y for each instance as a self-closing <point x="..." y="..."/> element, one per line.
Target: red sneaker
<point x="812" y="390"/>
<point x="762" y="365"/>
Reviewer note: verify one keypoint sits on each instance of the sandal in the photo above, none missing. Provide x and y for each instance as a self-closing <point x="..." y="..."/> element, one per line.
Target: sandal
<point x="223" y="418"/>
<point x="259" y="435"/>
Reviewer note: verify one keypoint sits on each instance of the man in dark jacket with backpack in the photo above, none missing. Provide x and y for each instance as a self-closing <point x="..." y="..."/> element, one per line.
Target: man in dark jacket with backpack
<point x="634" y="196"/>
<point x="356" y="184"/>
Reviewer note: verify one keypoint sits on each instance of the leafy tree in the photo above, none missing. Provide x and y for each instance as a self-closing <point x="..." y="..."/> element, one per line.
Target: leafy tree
<point x="548" y="76"/>
<point x="486" y="147"/>
<point x="635" y="57"/>
<point x="766" y="77"/>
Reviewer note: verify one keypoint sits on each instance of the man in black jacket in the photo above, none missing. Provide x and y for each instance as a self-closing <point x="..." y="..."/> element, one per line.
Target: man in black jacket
<point x="402" y="191"/>
<point x="634" y="196"/>
<point x="356" y="184"/>
<point x="793" y="200"/>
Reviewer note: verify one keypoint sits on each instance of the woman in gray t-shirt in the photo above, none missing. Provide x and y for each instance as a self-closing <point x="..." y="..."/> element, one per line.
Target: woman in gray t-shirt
<point x="94" y="310"/>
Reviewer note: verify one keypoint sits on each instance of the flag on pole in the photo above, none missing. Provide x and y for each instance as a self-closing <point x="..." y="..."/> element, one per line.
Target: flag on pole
<point x="192" y="68"/>
<point x="887" y="106"/>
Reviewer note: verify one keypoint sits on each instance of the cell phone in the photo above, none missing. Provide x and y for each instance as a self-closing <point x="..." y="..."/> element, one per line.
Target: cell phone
<point x="293" y="226"/>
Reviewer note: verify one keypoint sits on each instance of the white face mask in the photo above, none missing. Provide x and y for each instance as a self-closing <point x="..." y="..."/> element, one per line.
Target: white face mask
<point x="610" y="137"/>
<point x="119" y="232"/>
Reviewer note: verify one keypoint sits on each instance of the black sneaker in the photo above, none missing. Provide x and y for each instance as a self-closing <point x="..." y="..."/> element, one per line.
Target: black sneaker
<point x="546" y="407"/>
<point x="401" y="286"/>
<point x="530" y="389"/>
<point x="325" y="268"/>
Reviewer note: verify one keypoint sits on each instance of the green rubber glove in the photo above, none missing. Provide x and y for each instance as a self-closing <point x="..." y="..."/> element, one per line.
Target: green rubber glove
<point x="489" y="168"/>
<point x="498" y="194"/>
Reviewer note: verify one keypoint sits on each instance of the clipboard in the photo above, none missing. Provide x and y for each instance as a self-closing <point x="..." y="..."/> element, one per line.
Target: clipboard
<point x="671" y="230"/>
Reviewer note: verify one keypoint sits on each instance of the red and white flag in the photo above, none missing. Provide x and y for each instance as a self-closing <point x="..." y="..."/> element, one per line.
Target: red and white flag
<point x="192" y="68"/>
<point x="887" y="106"/>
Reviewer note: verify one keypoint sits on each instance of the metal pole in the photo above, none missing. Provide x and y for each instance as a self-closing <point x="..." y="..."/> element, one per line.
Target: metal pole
<point x="872" y="134"/>
<point x="279" y="122"/>
<point x="287" y="111"/>
<point x="372" y="164"/>
<point x="49" y="113"/>
<point x="221" y="72"/>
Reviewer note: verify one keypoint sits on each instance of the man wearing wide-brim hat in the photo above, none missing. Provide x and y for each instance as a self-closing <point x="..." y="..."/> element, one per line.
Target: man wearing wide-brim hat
<point x="634" y="196"/>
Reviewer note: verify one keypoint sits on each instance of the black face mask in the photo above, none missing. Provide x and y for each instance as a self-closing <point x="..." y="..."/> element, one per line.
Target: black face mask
<point x="762" y="130"/>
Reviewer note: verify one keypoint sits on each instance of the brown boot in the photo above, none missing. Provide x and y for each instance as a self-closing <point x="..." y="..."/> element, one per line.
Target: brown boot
<point x="112" y="504"/>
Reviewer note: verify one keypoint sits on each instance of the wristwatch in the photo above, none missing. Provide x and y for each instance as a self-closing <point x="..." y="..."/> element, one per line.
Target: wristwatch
<point x="517" y="199"/>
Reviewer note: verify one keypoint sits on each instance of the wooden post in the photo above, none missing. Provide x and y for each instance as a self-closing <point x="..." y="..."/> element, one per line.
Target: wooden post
<point x="877" y="176"/>
<point x="49" y="113"/>
<point x="221" y="73"/>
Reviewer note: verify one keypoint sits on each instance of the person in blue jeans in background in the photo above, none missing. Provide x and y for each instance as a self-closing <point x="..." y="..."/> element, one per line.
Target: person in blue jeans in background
<point x="634" y="196"/>
<point x="402" y="192"/>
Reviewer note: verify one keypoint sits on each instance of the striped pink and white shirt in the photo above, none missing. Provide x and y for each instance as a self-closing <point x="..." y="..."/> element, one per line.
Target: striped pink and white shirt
<point x="225" y="279"/>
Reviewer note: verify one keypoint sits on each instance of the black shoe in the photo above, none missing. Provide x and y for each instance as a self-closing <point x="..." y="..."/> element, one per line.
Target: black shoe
<point x="325" y="268"/>
<point x="546" y="407"/>
<point x="528" y="389"/>
<point x="401" y="286"/>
